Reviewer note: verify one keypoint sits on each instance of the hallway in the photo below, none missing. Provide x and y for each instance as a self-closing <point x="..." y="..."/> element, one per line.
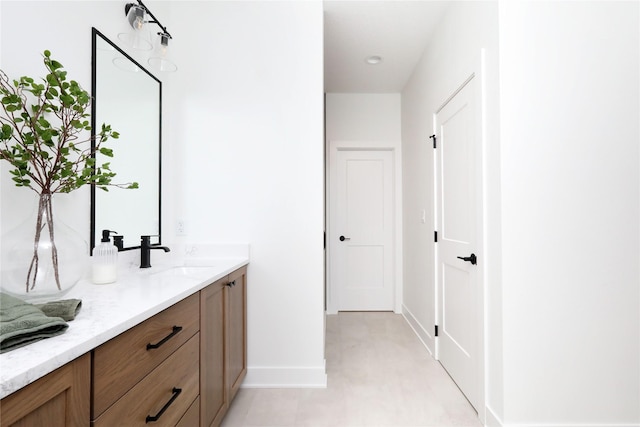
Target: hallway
<point x="378" y="374"/>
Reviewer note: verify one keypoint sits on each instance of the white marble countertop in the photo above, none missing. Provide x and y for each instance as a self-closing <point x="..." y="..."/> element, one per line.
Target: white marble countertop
<point x="107" y="311"/>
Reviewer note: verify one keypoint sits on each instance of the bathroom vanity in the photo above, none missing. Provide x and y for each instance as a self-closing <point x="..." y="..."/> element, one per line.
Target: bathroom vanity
<point x="163" y="348"/>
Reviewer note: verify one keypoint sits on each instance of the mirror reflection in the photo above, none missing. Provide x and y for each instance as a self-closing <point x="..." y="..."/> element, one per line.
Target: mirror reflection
<point x="128" y="97"/>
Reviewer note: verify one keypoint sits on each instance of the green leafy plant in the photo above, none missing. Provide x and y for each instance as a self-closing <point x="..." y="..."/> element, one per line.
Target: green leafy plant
<point x="45" y="137"/>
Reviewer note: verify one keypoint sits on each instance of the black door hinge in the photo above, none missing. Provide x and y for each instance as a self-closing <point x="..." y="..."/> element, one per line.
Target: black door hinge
<point x="434" y="140"/>
<point x="435" y="236"/>
<point x="436" y="330"/>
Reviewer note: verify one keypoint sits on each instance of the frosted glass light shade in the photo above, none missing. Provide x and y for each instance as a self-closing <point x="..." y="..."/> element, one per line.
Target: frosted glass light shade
<point x="137" y="39"/>
<point x="160" y="59"/>
<point x="138" y="36"/>
<point x="135" y="16"/>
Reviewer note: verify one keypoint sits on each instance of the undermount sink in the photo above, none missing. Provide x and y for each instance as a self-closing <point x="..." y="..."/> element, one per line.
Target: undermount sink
<point x="182" y="271"/>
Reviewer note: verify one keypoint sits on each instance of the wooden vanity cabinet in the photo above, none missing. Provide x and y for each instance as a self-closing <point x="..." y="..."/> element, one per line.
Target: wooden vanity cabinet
<point x="223" y="344"/>
<point x="198" y="346"/>
<point x="58" y="399"/>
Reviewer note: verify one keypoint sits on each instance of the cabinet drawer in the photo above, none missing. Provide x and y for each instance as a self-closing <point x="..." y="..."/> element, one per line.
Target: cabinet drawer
<point x="192" y="417"/>
<point x="157" y="394"/>
<point x="123" y="361"/>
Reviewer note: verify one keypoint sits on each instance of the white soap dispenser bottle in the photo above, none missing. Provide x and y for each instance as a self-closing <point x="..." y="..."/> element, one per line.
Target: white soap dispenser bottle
<point x="105" y="261"/>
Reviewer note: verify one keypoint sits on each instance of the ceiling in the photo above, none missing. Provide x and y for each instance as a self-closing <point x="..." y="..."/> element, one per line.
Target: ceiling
<point x="396" y="30"/>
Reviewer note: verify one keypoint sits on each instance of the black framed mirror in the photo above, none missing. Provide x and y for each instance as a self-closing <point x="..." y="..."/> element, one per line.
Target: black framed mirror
<point x="129" y="98"/>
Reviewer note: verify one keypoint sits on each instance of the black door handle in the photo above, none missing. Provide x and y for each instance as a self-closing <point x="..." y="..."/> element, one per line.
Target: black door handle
<point x="174" y="331"/>
<point x="471" y="258"/>
<point x="342" y="238"/>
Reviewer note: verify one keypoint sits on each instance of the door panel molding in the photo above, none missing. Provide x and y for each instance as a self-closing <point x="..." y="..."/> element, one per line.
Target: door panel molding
<point x="333" y="148"/>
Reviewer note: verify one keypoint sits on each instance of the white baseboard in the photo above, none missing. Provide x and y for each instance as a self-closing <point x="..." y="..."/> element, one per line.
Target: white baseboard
<point x="492" y="420"/>
<point x="285" y="377"/>
<point x="422" y="334"/>
<point x="566" y="425"/>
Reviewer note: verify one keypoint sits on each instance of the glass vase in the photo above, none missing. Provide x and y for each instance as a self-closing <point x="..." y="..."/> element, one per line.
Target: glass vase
<point x="42" y="258"/>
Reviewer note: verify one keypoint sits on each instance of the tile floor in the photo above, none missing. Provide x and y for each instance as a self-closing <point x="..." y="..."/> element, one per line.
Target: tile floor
<point x="379" y="374"/>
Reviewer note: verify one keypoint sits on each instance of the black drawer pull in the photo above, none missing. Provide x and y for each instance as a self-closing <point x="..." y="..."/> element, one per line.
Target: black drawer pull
<point x="230" y="284"/>
<point x="176" y="329"/>
<point x="176" y="392"/>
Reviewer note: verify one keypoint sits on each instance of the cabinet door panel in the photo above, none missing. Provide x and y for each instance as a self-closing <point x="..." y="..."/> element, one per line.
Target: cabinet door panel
<point x="213" y="394"/>
<point x="237" y="327"/>
<point x="51" y="414"/>
<point x="60" y="398"/>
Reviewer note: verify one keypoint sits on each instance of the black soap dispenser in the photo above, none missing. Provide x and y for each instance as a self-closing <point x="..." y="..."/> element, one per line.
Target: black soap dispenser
<point x="105" y="261"/>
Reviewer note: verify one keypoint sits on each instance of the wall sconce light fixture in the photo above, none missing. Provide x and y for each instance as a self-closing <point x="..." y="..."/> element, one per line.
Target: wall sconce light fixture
<point x="160" y="59"/>
<point x="138" y="37"/>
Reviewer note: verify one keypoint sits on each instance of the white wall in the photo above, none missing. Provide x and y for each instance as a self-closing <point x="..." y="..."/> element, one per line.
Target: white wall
<point x="247" y="129"/>
<point x="366" y="120"/>
<point x="450" y="58"/>
<point x="570" y="197"/>
<point x="25" y="58"/>
<point x="243" y="149"/>
<point x="363" y="117"/>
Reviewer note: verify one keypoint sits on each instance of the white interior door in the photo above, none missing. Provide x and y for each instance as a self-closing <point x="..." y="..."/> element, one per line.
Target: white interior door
<point x="457" y="136"/>
<point x="361" y="234"/>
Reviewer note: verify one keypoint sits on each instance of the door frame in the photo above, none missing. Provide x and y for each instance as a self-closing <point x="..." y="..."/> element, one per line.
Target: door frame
<point x="477" y="72"/>
<point x="333" y="146"/>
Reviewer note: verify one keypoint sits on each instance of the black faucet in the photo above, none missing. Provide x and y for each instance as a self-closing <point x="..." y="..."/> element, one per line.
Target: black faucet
<point x="118" y="242"/>
<point x="145" y="251"/>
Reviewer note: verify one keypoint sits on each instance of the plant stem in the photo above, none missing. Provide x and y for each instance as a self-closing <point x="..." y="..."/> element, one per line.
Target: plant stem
<point x="44" y="209"/>
<point x="54" y="249"/>
<point x="33" y="266"/>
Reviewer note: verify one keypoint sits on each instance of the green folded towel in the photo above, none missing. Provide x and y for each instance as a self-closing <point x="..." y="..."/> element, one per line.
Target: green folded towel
<point x="22" y="323"/>
<point x="67" y="309"/>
